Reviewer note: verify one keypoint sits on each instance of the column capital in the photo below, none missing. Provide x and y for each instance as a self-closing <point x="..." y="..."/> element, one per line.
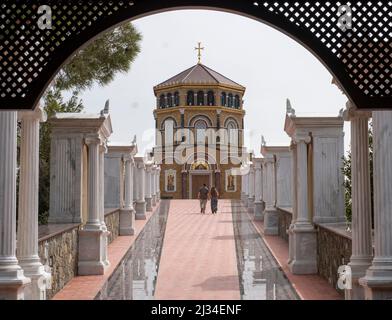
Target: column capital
<point x="182" y="111"/>
<point x="92" y="139"/>
<point x="351" y="113"/>
<point x="37" y="114"/>
<point x="301" y="138"/>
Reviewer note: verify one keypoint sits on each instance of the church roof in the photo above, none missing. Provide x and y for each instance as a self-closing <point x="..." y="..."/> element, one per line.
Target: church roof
<point x="199" y="74"/>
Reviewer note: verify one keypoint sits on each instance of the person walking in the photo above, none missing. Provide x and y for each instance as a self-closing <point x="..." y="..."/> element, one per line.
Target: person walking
<point x="203" y="197"/>
<point x="214" y="200"/>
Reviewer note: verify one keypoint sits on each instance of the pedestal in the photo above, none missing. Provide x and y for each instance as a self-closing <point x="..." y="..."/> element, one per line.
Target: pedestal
<point x="304" y="240"/>
<point x="127" y="222"/>
<point x="259" y="215"/>
<point x="91" y="252"/>
<point x="271" y="222"/>
<point x="251" y="204"/>
<point x="148" y="204"/>
<point x="141" y="210"/>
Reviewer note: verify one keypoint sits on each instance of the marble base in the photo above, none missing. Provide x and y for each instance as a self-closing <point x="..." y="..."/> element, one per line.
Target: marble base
<point x="251" y="205"/>
<point x="259" y="215"/>
<point x="271" y="222"/>
<point x="140" y="211"/>
<point x="92" y="259"/>
<point x="154" y="200"/>
<point x="12" y="283"/>
<point x="358" y="270"/>
<point x="127" y="222"/>
<point x="40" y="279"/>
<point x="378" y="280"/>
<point x="304" y="260"/>
<point x="148" y="204"/>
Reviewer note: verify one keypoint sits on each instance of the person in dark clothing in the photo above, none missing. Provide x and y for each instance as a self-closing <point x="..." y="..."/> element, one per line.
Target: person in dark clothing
<point x="214" y="200"/>
<point x="203" y="197"/>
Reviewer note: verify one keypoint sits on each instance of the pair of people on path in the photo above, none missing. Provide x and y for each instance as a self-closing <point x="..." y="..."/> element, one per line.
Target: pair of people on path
<point x="204" y="195"/>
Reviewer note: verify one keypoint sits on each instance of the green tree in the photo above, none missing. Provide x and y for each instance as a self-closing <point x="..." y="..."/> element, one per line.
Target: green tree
<point x="98" y="62"/>
<point x="347" y="161"/>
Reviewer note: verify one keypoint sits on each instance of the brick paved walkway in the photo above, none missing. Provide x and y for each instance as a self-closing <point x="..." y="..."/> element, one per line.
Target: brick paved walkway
<point x="198" y="258"/>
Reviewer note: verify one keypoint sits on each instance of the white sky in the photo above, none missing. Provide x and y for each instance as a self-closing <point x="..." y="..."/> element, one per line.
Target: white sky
<point x="269" y="64"/>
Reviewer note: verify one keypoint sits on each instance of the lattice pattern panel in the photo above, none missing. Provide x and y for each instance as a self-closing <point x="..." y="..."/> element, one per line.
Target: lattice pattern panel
<point x="365" y="49"/>
<point x="28" y="54"/>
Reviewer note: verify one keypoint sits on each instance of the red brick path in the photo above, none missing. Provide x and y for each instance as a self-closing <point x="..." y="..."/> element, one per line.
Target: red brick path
<point x="198" y="259"/>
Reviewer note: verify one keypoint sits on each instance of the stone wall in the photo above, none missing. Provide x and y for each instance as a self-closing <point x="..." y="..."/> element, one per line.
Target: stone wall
<point x="112" y="220"/>
<point x="63" y="257"/>
<point x="333" y="251"/>
<point x="285" y="218"/>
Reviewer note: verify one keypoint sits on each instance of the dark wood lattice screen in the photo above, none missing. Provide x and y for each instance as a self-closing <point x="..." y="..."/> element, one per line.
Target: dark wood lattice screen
<point x="360" y="58"/>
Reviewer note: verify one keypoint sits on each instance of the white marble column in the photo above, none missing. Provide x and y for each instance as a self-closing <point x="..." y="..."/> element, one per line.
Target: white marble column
<point x="242" y="184"/>
<point x="153" y="187"/>
<point x="251" y="183"/>
<point x="127" y="214"/>
<point x="362" y="251"/>
<point x="140" y="186"/>
<point x="294" y="179"/>
<point x="148" y="194"/>
<point x="12" y="279"/>
<point x="27" y="251"/>
<point x="102" y="151"/>
<point x="378" y="279"/>
<point x="93" y="236"/>
<point x="258" y="190"/>
<point x="304" y="235"/>
<point x="157" y="181"/>
<point x="271" y="217"/>
<point x="246" y="186"/>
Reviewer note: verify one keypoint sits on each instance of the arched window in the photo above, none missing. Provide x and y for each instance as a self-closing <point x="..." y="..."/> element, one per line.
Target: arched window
<point x="168" y="126"/>
<point x="200" y="98"/>
<point x="176" y="99"/>
<point x="169" y="100"/>
<point x="224" y="99"/>
<point x="237" y="102"/>
<point x="162" y="102"/>
<point x="210" y="98"/>
<point x="232" y="132"/>
<point x="190" y="99"/>
<point x="200" y="128"/>
<point x="231" y="101"/>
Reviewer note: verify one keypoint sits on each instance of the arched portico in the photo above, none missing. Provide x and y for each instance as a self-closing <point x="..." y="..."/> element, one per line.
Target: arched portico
<point x="358" y="61"/>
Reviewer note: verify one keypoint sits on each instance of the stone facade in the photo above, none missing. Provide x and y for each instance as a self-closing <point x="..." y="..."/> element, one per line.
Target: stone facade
<point x="285" y="219"/>
<point x="62" y="256"/>
<point x="112" y="221"/>
<point x="333" y="250"/>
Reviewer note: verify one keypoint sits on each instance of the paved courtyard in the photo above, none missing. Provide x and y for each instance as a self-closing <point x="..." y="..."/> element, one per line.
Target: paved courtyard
<point x="180" y="254"/>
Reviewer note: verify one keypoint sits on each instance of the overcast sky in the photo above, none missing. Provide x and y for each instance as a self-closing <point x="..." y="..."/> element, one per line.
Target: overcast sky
<point x="269" y="64"/>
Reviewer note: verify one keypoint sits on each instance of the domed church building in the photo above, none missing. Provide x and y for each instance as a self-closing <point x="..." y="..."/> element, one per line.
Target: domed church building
<point x="199" y="120"/>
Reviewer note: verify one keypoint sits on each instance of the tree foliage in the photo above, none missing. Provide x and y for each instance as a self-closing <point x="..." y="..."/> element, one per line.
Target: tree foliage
<point x="99" y="62"/>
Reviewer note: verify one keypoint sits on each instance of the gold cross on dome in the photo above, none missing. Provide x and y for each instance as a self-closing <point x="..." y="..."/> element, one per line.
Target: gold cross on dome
<point x="199" y="48"/>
